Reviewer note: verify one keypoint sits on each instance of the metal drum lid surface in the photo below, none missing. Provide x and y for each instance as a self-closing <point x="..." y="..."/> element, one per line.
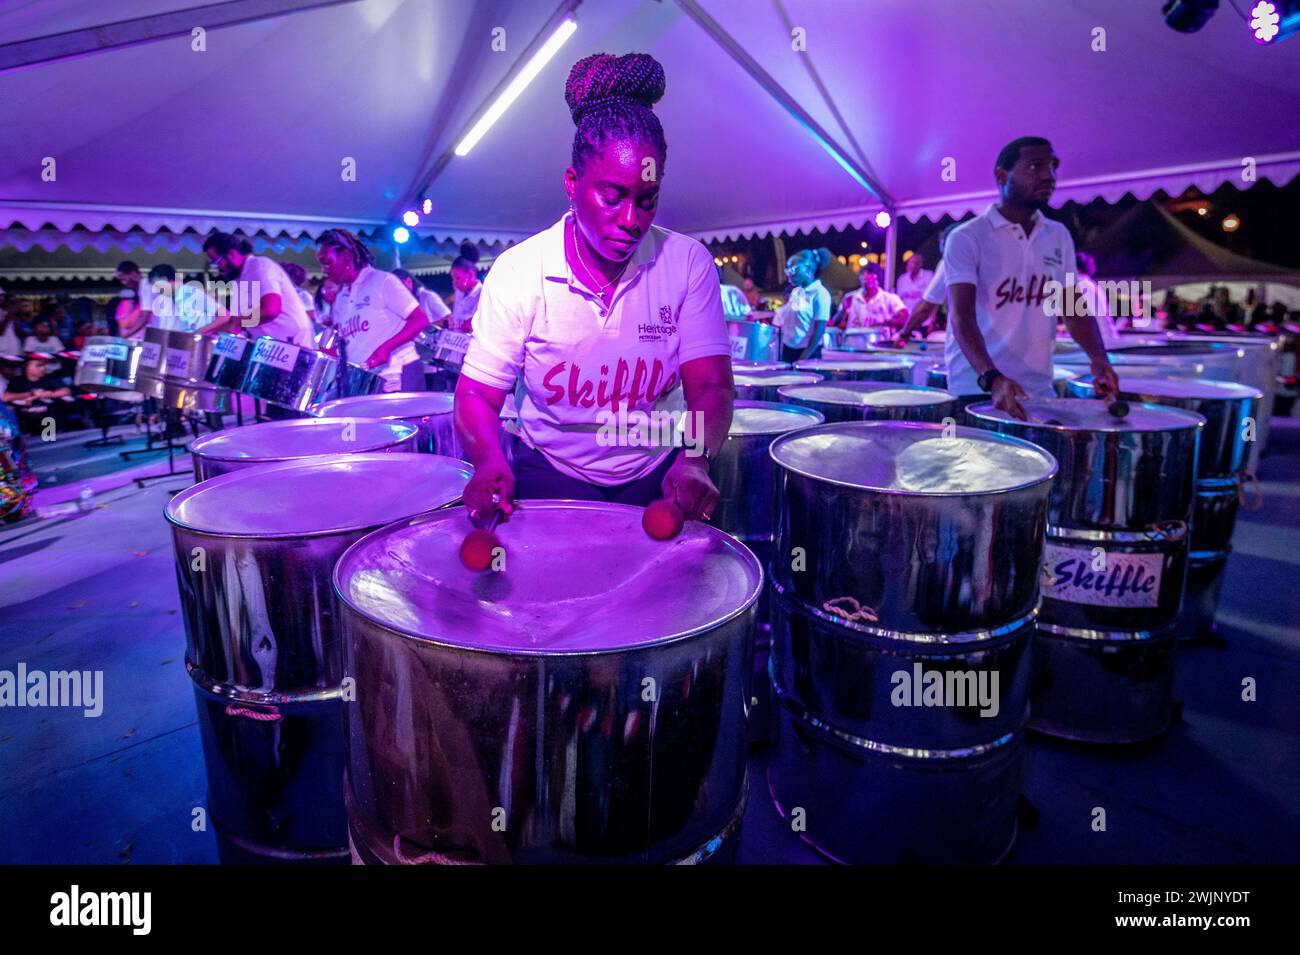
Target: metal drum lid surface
<point x="880" y="364"/>
<point x="1179" y="388"/>
<point x="744" y="378"/>
<point x="580" y="577"/>
<point x="393" y="405"/>
<point x="750" y="366"/>
<point x="1090" y="414"/>
<point x="345" y="492"/>
<point x="913" y="458"/>
<point x="768" y="417"/>
<point x="870" y="394"/>
<point x="301" y="437"/>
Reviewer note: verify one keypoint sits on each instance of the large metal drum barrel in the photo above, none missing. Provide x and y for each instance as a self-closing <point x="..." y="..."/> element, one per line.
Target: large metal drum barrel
<point x="1114" y="566"/>
<point x="762" y="385"/>
<point x="1221" y="464"/>
<point x="152" y="368"/>
<point x="749" y="366"/>
<point x="279" y="441"/>
<point x="905" y="566"/>
<point x="876" y="369"/>
<point x="254" y="553"/>
<point x="585" y="702"/>
<point x="108" y="363"/>
<point x="185" y="385"/>
<point x="746" y="480"/>
<point x="428" y="411"/>
<point x="872" y="401"/>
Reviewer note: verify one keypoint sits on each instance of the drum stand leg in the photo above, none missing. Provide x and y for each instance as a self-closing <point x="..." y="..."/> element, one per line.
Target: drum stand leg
<point x="101" y="404"/>
<point x="168" y="420"/>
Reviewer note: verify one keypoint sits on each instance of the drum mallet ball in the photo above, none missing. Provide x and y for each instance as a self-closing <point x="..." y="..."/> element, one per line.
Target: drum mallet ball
<point x="1117" y="408"/>
<point x="663" y="520"/>
<point x="479" y="545"/>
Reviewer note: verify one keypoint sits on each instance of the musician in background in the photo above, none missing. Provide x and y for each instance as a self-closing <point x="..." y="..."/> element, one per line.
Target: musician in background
<point x="429" y="300"/>
<point x="871" y="306"/>
<point x="133" y="308"/>
<point x="376" y="317"/>
<point x="179" y="306"/>
<point x="298" y="276"/>
<point x="464" y="279"/>
<point x="265" y="293"/>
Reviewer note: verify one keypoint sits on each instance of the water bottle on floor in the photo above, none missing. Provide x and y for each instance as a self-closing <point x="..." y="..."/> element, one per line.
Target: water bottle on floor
<point x="86" y="499"/>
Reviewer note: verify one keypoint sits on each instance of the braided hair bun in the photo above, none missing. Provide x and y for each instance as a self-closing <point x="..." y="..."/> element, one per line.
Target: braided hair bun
<point x="610" y="99"/>
<point x="823" y="257"/>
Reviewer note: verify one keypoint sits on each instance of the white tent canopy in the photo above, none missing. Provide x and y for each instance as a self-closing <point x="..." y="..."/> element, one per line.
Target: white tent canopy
<point x="253" y="131"/>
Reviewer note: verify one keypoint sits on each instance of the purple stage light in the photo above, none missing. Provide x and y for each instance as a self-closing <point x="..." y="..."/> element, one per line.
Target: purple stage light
<point x="883" y="219"/>
<point x="401" y="235"/>
<point x="411" y="217"/>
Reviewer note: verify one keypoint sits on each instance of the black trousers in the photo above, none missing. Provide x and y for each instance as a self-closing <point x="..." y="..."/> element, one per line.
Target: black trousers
<point x="536" y="478"/>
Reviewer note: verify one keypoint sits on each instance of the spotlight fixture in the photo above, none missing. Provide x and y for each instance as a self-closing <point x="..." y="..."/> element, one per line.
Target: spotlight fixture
<point x="1231" y="222"/>
<point x="1273" y="20"/>
<point x="883" y="219"/>
<point x="426" y="205"/>
<point x="401" y="235"/>
<point x="1188" y="16"/>
<point x="411" y="217"/>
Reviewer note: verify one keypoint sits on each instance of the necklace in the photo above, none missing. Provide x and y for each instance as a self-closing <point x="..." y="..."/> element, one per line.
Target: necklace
<point x="601" y="289"/>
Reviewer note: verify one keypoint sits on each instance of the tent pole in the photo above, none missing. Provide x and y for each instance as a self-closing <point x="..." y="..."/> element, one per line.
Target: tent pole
<point x="891" y="254"/>
<point x="788" y="102"/>
<point x="161" y="26"/>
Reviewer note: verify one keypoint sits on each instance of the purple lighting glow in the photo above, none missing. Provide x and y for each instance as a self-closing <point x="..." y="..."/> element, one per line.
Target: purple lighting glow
<point x="883" y="219"/>
<point x="1264" y="21"/>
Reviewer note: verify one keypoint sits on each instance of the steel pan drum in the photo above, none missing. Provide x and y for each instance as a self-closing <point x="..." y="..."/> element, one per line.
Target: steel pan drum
<point x="906" y="555"/>
<point x="254" y="553"/>
<point x="762" y="385"/>
<point x="296" y="378"/>
<point x="185" y="386"/>
<point x="1114" y="566"/>
<point x="754" y="341"/>
<point x="923" y="354"/>
<point x="428" y="411"/>
<point x="753" y="366"/>
<point x="746" y="480"/>
<point x="281" y="441"/>
<point x="229" y="361"/>
<point x="872" y="401"/>
<point x="897" y="369"/>
<point x="153" y="363"/>
<point x="1221" y="464"/>
<point x="585" y="703"/>
<point x="108" y="363"/>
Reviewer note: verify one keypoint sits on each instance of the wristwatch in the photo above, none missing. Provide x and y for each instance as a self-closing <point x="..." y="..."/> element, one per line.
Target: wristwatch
<point x="987" y="379"/>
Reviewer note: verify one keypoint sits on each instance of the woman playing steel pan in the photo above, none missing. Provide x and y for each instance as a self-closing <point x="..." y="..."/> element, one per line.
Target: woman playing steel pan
<point x="614" y="325"/>
<point x="374" y="314"/>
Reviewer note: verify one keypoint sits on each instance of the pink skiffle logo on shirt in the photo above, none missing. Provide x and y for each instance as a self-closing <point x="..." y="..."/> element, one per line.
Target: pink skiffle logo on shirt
<point x="644" y="384"/>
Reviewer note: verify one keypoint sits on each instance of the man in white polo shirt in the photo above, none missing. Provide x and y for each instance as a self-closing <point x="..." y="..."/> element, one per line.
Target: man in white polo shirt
<point x="264" y="291"/>
<point x="913" y="282"/>
<point x="1007" y="278"/>
<point x="871" y="306"/>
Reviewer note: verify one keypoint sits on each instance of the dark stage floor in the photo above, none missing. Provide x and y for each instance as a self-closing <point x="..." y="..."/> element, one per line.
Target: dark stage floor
<point x="97" y="590"/>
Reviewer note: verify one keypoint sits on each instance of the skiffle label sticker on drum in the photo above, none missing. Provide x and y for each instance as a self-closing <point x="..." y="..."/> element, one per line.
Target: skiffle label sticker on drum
<point x="738" y="346"/>
<point x="1127" y="580"/>
<point x="105" y="353"/>
<point x="230" y="346"/>
<point x="280" y="355"/>
<point x="453" y="343"/>
<point x="178" y="361"/>
<point x="150" y="352"/>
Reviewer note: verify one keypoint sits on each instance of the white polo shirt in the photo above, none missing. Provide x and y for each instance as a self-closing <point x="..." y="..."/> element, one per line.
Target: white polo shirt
<point x="1013" y="275"/>
<point x="912" y="290"/>
<point x="292" y="324"/>
<point x="805" y="308"/>
<point x="535" y="318"/>
<point x="936" y="293"/>
<point x="370" y="311"/>
<point x="463" y="308"/>
<point x="432" y="304"/>
<point x="880" y="310"/>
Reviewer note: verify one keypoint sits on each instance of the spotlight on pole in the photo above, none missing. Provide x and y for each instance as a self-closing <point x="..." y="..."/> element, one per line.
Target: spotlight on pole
<point x="883" y="219"/>
<point x="1271" y="21"/>
<point x="401" y="235"/>
<point x="426" y="205"/>
<point x="1188" y="16"/>
<point x="411" y="217"/>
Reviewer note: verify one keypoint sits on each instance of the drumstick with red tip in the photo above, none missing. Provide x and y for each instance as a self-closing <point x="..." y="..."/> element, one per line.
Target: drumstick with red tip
<point x="663" y="519"/>
<point x="480" y="544"/>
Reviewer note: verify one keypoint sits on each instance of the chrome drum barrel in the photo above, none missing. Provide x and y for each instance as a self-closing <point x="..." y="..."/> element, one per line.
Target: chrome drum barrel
<point x="872" y="401"/>
<point x="1231" y="413"/>
<point x="276" y="442"/>
<point x="746" y="480"/>
<point x="584" y="702"/>
<point x="108" y="363"/>
<point x="906" y="558"/>
<point x="254" y="553"/>
<point x="1115" y="563"/>
<point x="430" y="412"/>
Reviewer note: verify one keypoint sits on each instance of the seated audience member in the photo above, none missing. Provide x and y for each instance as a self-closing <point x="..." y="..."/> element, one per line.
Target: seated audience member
<point x="43" y="339"/>
<point x="752" y="294"/>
